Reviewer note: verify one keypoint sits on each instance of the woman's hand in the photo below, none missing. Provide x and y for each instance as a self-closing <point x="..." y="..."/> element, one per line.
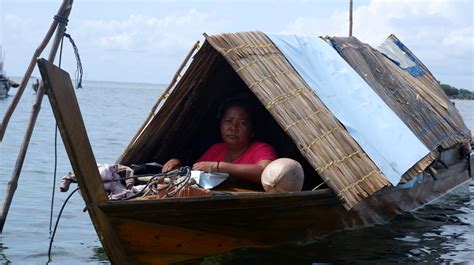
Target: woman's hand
<point x="171" y="164"/>
<point x="208" y="166"/>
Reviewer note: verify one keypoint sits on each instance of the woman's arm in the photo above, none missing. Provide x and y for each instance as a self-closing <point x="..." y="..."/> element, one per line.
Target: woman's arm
<point x="250" y="172"/>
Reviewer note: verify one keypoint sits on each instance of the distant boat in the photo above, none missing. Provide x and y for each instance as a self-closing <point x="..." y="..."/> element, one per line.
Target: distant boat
<point x="5" y="82"/>
<point x="5" y="85"/>
<point x="346" y="189"/>
<point x="36" y="85"/>
<point x="4" y="88"/>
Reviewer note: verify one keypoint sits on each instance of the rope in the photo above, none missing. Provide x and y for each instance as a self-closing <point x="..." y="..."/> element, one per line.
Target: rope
<point x="173" y="188"/>
<point x="170" y="190"/>
<point x="164" y="96"/>
<point x="352" y="185"/>
<point x="57" y="222"/>
<point x="282" y="98"/>
<point x="179" y="178"/>
<point x="317" y="187"/>
<point x="243" y="46"/>
<point x="246" y="65"/>
<point x="321" y="169"/>
<point x="61" y="19"/>
<point x="307" y="118"/>
<point x="270" y="76"/>
<point x="54" y="178"/>
<point x="79" y="71"/>
<point x="468" y="158"/>
<point x="55" y="153"/>
<point x="317" y="139"/>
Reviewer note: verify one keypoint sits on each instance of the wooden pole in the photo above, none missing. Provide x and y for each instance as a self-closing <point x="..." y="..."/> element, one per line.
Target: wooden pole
<point x="29" y="70"/>
<point x="350" y="18"/>
<point x="163" y="95"/>
<point x="63" y="12"/>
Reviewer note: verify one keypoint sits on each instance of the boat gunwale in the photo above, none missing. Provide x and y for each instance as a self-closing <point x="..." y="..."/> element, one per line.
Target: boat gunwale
<point x="323" y="193"/>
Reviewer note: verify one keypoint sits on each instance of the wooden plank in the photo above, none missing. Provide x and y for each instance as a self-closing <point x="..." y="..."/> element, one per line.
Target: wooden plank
<point x="73" y="132"/>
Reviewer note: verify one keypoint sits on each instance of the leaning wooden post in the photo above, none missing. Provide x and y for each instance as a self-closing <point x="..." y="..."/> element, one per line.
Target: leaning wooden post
<point x="350" y="18"/>
<point x="12" y="184"/>
<point x="29" y="70"/>
<point x="163" y="95"/>
<point x="165" y="92"/>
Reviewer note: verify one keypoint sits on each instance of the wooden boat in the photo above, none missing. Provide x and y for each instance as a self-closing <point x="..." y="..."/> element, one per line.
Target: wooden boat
<point x="5" y="82"/>
<point x="161" y="231"/>
<point x="35" y="85"/>
<point x="4" y="87"/>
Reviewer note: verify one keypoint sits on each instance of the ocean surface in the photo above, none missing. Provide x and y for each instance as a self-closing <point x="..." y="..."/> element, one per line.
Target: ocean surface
<point x="441" y="232"/>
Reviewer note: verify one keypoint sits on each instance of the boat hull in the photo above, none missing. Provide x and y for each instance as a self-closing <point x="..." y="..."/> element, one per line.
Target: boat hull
<point x="163" y="231"/>
<point x="170" y="230"/>
<point x="4" y="88"/>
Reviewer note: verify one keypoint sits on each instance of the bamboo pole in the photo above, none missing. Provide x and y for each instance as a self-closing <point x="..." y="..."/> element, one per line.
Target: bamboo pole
<point x="350" y="18"/>
<point x="63" y="12"/>
<point x="163" y="95"/>
<point x="29" y="70"/>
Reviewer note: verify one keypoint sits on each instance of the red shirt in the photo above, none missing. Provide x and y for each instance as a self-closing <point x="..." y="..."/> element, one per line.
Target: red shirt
<point x="256" y="152"/>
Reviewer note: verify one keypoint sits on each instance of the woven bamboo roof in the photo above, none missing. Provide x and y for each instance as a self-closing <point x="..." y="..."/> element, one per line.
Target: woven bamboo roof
<point x="297" y="123"/>
<point x="418" y="101"/>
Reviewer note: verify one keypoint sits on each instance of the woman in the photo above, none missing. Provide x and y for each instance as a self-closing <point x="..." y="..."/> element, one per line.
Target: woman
<point x="239" y="154"/>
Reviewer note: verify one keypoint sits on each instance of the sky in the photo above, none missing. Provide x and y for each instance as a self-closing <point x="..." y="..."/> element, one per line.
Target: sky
<point x="146" y="41"/>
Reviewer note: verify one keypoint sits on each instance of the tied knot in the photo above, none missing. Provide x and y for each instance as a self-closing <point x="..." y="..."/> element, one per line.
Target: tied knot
<point x="61" y="19"/>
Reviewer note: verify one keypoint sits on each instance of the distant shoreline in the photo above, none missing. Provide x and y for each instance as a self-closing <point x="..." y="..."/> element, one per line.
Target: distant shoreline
<point x="455" y="93"/>
<point x="19" y="78"/>
<point x="462" y="98"/>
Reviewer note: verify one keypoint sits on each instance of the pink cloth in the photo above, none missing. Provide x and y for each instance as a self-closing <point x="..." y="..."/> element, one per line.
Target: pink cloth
<point x="256" y="152"/>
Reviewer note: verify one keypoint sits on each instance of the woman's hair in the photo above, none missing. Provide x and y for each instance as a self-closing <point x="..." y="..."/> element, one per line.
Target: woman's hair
<point x="242" y="102"/>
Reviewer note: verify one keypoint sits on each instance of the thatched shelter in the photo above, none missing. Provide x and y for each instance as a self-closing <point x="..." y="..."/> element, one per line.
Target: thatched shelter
<point x="415" y="96"/>
<point x="290" y="116"/>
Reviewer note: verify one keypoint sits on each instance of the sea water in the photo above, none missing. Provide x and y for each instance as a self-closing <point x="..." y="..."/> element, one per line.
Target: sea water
<point x="441" y="232"/>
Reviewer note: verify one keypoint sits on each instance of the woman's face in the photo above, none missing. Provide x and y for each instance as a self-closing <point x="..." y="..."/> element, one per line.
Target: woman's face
<point x="236" y="127"/>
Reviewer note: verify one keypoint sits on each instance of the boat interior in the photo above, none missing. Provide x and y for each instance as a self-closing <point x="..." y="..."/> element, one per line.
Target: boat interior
<point x="198" y="127"/>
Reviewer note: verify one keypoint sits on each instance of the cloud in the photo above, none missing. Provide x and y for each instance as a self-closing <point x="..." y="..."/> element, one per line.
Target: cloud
<point x="314" y="26"/>
<point x="439" y="32"/>
<point x="144" y="33"/>
<point x="15" y="28"/>
<point x="145" y="47"/>
<point x="460" y="39"/>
